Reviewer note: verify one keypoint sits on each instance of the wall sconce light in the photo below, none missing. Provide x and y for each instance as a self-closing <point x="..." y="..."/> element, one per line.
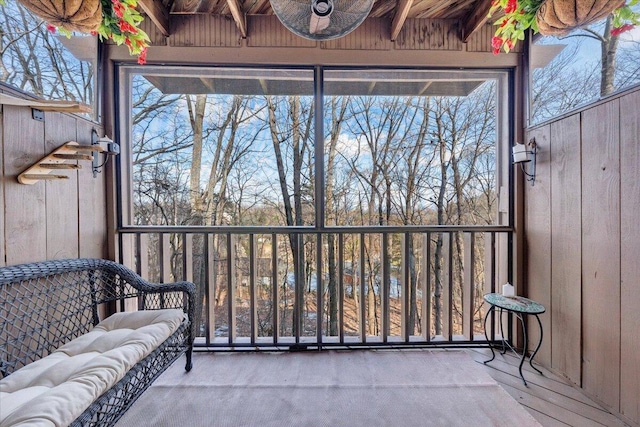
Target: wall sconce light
<point x="107" y="147"/>
<point x="526" y="153"/>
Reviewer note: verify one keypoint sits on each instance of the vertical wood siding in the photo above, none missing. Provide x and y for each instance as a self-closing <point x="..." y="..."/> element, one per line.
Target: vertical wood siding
<point x="50" y="219"/>
<point x="156" y="38"/>
<point x="430" y="34"/>
<point x="480" y="41"/>
<point x="61" y="201"/>
<point x="25" y="227"/>
<point x="601" y="251"/>
<point x="590" y="274"/>
<point x="630" y="260"/>
<point x="268" y="31"/>
<point x="537" y="244"/>
<point x="566" y="237"/>
<point x="373" y="34"/>
<point x="203" y="31"/>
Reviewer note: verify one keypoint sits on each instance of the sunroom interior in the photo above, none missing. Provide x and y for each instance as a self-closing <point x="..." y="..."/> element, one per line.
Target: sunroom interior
<point x="370" y="175"/>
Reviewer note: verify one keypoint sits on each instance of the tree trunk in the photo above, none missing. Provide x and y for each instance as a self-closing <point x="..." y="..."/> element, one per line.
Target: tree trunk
<point x="609" y="47"/>
<point x="336" y="125"/>
<point x="196" y="117"/>
<point x="437" y="295"/>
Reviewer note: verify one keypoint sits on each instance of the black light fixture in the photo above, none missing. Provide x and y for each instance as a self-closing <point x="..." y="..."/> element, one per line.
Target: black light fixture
<point x="524" y="154"/>
<point x="107" y="147"/>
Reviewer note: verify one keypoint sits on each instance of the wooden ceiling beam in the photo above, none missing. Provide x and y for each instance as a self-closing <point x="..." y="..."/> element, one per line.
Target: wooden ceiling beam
<point x="158" y="13"/>
<point x="476" y="19"/>
<point x="402" y="11"/>
<point x="238" y="16"/>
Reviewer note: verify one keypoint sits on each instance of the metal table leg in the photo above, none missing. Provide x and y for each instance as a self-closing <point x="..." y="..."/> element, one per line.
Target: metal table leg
<point x="524" y="350"/>
<point x="537" y="347"/>
<point x="486" y="317"/>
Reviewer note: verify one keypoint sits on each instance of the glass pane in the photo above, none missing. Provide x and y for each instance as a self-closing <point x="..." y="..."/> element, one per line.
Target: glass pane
<point x="222" y="147"/>
<point x="410" y="147"/>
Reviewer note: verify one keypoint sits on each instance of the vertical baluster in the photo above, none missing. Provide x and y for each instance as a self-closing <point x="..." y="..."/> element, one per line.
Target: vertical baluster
<point x="142" y="261"/>
<point x="253" y="273"/>
<point x="164" y="241"/>
<point x="489" y="274"/>
<point x="231" y="286"/>
<point x="187" y="267"/>
<point x="137" y="258"/>
<point x="468" y="290"/>
<point x="144" y="256"/>
<point x="275" y="288"/>
<point x="165" y="262"/>
<point x="446" y="314"/>
<point x="405" y="279"/>
<point x="319" y="290"/>
<point x="426" y="290"/>
<point x="340" y="285"/>
<point x="187" y="257"/>
<point x="363" y="313"/>
<point x="209" y="287"/>
<point x="386" y="287"/>
<point x="450" y="287"/>
<point x="138" y="252"/>
<point x="298" y="296"/>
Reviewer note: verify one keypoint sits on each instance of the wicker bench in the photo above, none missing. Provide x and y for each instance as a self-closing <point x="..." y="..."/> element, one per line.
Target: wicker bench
<point x="45" y="305"/>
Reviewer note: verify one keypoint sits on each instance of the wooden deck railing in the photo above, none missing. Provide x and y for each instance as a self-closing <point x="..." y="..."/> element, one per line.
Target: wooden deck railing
<point x="378" y="286"/>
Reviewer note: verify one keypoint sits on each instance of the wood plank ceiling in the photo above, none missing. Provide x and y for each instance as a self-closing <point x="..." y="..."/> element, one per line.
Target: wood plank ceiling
<point x="471" y="13"/>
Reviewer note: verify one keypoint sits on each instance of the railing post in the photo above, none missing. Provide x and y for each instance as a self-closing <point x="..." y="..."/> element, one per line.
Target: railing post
<point x="143" y="263"/>
<point x="468" y="289"/>
<point x="489" y="274"/>
<point x="340" y="285"/>
<point x="363" y="310"/>
<point x="407" y="253"/>
<point x="253" y="274"/>
<point x="164" y="241"/>
<point x="319" y="290"/>
<point x="298" y="296"/>
<point x="187" y="257"/>
<point x="231" y="285"/>
<point x="210" y="268"/>
<point x="426" y="286"/>
<point x="275" y="288"/>
<point x="446" y="278"/>
<point x="385" y="293"/>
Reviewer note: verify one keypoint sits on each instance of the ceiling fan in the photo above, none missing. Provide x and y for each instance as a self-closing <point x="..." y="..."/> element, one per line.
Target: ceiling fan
<point x="321" y="19"/>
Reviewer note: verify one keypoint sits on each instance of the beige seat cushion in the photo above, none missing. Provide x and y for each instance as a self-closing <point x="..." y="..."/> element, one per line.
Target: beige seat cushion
<point x="55" y="390"/>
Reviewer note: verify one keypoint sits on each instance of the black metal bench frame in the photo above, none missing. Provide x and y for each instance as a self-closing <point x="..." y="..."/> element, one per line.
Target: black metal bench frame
<point x="46" y="304"/>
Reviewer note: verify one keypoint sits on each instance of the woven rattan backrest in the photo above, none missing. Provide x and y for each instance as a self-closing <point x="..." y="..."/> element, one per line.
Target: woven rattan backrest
<point x="45" y="305"/>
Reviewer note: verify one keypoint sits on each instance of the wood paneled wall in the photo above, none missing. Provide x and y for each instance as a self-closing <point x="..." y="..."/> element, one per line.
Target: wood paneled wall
<point x="50" y="219"/>
<point x="216" y="39"/>
<point x="583" y="249"/>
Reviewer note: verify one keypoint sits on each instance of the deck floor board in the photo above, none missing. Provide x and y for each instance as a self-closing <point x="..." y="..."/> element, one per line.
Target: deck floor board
<point x="550" y="399"/>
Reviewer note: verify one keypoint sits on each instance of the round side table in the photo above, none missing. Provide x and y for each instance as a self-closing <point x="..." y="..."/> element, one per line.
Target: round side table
<point x="520" y="307"/>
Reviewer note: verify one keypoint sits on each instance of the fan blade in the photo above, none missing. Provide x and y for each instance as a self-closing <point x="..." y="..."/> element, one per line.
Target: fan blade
<point x="318" y="23"/>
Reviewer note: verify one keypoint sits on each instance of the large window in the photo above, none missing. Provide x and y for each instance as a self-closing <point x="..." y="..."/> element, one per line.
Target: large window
<point x="285" y="176"/>
<point x="234" y="146"/>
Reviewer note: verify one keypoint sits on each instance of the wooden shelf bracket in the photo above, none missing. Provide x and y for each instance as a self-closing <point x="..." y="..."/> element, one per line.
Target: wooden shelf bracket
<point x="62" y="158"/>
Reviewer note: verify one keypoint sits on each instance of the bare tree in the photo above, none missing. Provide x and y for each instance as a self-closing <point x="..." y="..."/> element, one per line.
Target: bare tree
<point x="291" y="123"/>
<point x="34" y="60"/>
